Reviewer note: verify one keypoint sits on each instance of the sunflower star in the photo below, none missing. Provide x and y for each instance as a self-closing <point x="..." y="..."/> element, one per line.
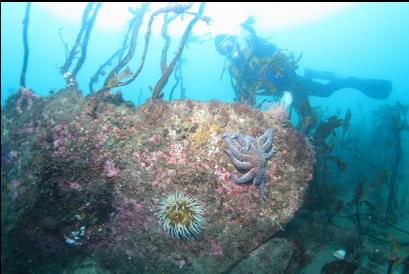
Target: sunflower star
<point x="250" y="155"/>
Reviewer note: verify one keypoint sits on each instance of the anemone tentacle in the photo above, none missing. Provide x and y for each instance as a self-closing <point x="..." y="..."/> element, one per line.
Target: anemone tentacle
<point x="181" y="216"/>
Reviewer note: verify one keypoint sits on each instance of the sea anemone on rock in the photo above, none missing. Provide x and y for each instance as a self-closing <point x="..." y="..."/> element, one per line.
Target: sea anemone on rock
<point x="181" y="215"/>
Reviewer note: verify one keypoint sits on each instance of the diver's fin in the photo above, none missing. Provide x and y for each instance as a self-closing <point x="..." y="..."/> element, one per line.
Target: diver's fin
<point x="374" y="88"/>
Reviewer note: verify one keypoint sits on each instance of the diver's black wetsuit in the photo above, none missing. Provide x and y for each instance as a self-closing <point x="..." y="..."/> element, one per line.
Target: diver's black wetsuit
<point x="374" y="88"/>
<point x="249" y="76"/>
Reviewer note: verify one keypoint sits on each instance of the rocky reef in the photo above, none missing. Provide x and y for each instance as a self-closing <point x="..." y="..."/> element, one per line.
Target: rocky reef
<point x="82" y="184"/>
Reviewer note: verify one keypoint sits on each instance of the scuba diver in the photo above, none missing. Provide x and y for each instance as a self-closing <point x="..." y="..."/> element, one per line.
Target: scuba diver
<point x="258" y="67"/>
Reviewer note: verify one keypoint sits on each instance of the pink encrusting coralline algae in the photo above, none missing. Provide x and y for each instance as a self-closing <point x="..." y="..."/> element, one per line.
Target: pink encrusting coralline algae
<point x="105" y="166"/>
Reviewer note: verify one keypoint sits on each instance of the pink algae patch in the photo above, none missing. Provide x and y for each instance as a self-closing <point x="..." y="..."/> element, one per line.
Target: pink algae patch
<point x="228" y="186"/>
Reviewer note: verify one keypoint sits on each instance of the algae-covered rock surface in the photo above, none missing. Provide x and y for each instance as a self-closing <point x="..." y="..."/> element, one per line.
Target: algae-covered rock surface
<point x="84" y="178"/>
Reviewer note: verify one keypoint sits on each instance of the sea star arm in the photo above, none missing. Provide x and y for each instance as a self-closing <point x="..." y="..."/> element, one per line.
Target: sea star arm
<point x="266" y="140"/>
<point x="246" y="178"/>
<point x="237" y="162"/>
<point x="269" y="155"/>
<point x="233" y="147"/>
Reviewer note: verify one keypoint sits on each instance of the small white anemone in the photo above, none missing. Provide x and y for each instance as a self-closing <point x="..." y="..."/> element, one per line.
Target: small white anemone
<point x="67" y="75"/>
<point x="339" y="254"/>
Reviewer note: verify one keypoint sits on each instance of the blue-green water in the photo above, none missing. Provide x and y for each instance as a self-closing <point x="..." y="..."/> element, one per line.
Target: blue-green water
<point x="363" y="40"/>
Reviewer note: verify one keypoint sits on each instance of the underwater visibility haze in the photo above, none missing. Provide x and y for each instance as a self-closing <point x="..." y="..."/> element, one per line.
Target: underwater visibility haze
<point x="204" y="138"/>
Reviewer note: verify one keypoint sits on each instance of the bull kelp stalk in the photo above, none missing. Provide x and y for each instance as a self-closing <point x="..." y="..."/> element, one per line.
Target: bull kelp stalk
<point x="84" y="45"/>
<point x="176" y="8"/>
<point x="117" y="54"/>
<point x="163" y="65"/>
<point x="138" y="19"/>
<point x="25" y="44"/>
<point x="66" y="50"/>
<point x="88" y="18"/>
<point x="399" y="124"/>
<point x="323" y="150"/>
<point x="165" y="76"/>
<point x="178" y="78"/>
<point x="357" y="201"/>
<point x="165" y="35"/>
<point x="74" y="50"/>
<point x="100" y="70"/>
<point x="26" y="96"/>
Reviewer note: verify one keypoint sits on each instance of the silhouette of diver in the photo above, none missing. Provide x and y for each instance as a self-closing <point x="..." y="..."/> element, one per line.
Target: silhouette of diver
<point x="258" y="67"/>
